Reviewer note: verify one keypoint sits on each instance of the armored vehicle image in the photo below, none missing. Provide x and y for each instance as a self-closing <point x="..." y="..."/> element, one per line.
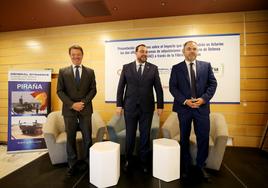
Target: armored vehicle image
<point x="32" y="129"/>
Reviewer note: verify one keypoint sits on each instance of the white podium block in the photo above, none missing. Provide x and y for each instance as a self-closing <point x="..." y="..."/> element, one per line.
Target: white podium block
<point x="166" y="159"/>
<point x="104" y="164"/>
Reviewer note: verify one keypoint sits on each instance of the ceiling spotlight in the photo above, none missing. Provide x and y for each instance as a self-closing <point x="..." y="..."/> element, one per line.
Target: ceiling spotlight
<point x="163" y="3"/>
<point x="115" y="8"/>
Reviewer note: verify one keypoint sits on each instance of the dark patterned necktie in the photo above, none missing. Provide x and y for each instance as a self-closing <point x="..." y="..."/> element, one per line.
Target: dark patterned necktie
<point x="193" y="81"/>
<point x="77" y="75"/>
<point x="139" y="71"/>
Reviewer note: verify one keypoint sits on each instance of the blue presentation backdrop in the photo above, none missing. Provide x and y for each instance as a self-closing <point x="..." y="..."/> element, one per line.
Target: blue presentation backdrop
<point x="221" y="50"/>
<point x="28" y="107"/>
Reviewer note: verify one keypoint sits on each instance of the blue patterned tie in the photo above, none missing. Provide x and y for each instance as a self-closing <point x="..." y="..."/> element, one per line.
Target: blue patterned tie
<point x="77" y="75"/>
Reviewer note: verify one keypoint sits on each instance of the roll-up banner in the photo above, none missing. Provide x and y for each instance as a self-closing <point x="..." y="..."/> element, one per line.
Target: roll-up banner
<point x="28" y="107"/>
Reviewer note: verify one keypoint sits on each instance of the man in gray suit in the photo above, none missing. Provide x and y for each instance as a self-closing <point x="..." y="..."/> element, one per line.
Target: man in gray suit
<point x="135" y="96"/>
<point x="76" y="88"/>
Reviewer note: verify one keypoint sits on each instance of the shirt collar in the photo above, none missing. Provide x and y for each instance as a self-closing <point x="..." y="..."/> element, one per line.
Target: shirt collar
<point x="80" y="66"/>
<point x="188" y="62"/>
<point x="138" y="63"/>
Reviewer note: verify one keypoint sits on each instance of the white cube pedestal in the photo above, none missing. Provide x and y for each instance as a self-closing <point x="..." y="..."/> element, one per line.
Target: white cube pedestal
<point x="166" y="159"/>
<point x="104" y="164"/>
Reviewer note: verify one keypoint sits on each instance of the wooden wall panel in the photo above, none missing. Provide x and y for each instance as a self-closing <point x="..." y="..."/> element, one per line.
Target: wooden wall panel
<point x="249" y="141"/>
<point x="3" y="112"/>
<point x="3" y="128"/>
<point x="254" y="84"/>
<point x="254" y="61"/>
<point x="245" y="120"/>
<point x="256" y="50"/>
<point x="251" y="72"/>
<point x="254" y="96"/>
<point x="242" y="130"/>
<point x="256" y="16"/>
<point x="243" y="107"/>
<point x="3" y="136"/>
<point x="250" y="119"/>
<point x="255" y="38"/>
<point x="257" y="27"/>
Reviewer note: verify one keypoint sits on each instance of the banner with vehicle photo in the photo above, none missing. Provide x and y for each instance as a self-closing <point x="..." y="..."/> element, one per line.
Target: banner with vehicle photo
<point x="28" y="107"/>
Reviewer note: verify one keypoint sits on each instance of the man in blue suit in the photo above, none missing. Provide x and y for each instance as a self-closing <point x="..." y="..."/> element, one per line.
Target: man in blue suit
<point x="193" y="84"/>
<point x="135" y="96"/>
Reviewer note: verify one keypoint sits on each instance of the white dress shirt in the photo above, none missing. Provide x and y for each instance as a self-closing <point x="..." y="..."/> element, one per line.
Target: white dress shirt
<point x="189" y="73"/>
<point x="138" y="66"/>
<point x="188" y="68"/>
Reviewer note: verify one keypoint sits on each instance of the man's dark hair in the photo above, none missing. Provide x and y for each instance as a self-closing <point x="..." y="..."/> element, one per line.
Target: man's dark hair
<point x="77" y="47"/>
<point x="190" y="41"/>
<point x="137" y="47"/>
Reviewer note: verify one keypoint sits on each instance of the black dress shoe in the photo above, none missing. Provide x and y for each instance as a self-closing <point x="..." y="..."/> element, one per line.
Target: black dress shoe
<point x="185" y="176"/>
<point x="145" y="167"/>
<point x="126" y="166"/>
<point x="205" y="175"/>
<point x="145" y="170"/>
<point x="83" y="167"/>
<point x="185" y="172"/>
<point x="70" y="171"/>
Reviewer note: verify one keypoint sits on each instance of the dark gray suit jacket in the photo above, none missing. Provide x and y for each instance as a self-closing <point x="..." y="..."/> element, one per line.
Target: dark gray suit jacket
<point x="132" y="90"/>
<point x="69" y="92"/>
<point x="179" y="85"/>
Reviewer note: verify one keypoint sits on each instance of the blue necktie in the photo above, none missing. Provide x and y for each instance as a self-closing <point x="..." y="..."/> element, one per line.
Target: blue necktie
<point x="77" y="75"/>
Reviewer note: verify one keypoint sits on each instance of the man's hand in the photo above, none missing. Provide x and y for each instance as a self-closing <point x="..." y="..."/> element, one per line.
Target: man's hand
<point x="195" y="103"/>
<point x="159" y="111"/>
<point x="199" y="102"/>
<point x="190" y="103"/>
<point x="78" y="106"/>
<point x="119" y="111"/>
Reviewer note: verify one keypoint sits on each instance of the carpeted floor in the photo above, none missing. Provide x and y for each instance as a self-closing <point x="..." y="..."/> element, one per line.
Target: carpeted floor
<point x="242" y="167"/>
<point x="10" y="162"/>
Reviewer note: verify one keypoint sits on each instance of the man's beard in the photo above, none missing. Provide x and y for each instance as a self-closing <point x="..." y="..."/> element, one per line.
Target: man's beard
<point x="142" y="59"/>
<point x="192" y="58"/>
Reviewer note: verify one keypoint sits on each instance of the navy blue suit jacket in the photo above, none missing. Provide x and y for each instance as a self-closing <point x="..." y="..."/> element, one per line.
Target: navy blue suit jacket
<point x="132" y="90"/>
<point x="179" y="86"/>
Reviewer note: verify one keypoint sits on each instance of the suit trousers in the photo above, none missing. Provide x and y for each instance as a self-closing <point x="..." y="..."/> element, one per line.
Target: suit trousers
<point x="201" y="128"/>
<point x="144" y="119"/>
<point x="72" y="125"/>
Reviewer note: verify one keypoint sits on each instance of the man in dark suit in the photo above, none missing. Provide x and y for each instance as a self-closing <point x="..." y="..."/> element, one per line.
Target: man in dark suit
<point x="76" y="88"/>
<point x="193" y="84"/>
<point x="135" y="96"/>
